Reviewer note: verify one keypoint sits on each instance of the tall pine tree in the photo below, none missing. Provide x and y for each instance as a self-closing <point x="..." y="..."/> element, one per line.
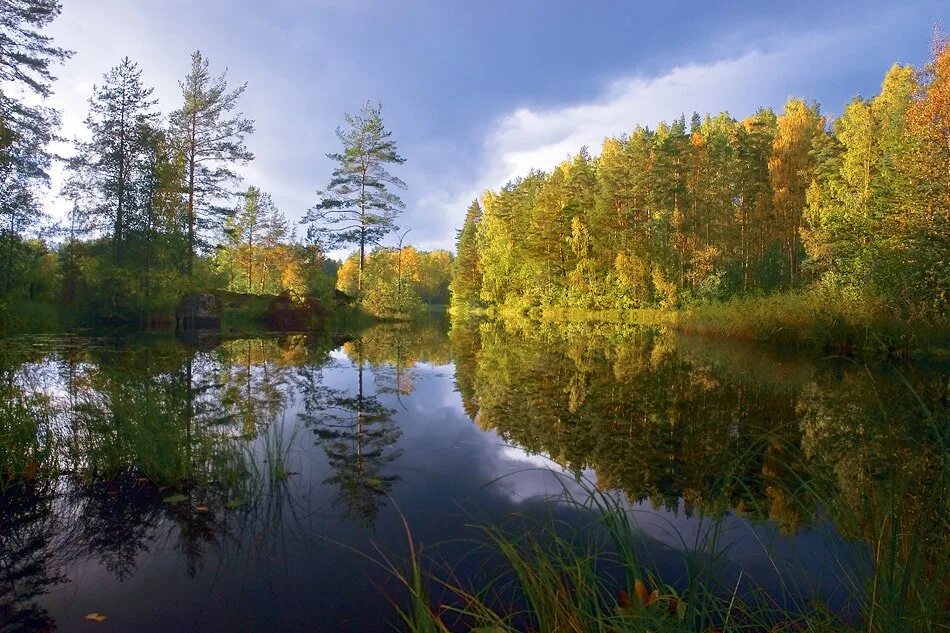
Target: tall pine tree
<point x="357" y="207"/>
<point x="466" y="283"/>
<point x="211" y="141"/>
<point x="26" y="59"/>
<point x="121" y="122"/>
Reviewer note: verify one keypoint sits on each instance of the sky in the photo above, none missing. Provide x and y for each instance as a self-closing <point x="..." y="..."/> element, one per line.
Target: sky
<point x="479" y="93"/>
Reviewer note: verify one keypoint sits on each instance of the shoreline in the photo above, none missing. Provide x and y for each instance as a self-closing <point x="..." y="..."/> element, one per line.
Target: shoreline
<point x="803" y="320"/>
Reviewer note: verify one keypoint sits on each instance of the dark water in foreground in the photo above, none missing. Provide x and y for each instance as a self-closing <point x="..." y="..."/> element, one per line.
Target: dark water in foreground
<point x="238" y="485"/>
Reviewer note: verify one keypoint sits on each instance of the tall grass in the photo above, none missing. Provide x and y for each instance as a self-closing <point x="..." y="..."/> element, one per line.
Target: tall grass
<point x="550" y="582"/>
<point x="816" y="319"/>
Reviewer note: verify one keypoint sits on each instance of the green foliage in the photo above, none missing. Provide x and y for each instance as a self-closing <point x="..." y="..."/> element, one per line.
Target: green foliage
<point x="239" y="310"/>
<point x="397" y="283"/>
<point x="259" y="257"/>
<point x="466" y="282"/>
<point x="113" y="175"/>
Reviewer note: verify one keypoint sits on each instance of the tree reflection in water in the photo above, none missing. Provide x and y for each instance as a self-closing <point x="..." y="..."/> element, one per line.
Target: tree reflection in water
<point x="109" y="448"/>
<point x="705" y="429"/>
<point x="356" y="432"/>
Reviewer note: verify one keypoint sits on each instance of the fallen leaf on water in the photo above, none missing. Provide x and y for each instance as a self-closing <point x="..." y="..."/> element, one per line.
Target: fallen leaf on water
<point x="201" y="508"/>
<point x="95" y="617"/>
<point x="175" y="499"/>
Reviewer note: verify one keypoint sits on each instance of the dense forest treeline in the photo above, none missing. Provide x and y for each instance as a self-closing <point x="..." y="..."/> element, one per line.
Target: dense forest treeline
<point x="157" y="206"/>
<point x="707" y="209"/>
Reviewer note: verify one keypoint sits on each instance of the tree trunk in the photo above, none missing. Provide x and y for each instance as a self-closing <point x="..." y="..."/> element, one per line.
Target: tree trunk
<point x="359" y="276"/>
<point x="250" y="260"/>
<point x="191" y="197"/>
<point x="119" y="213"/>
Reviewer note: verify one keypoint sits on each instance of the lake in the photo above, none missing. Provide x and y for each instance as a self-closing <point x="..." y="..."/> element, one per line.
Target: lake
<point x="231" y="482"/>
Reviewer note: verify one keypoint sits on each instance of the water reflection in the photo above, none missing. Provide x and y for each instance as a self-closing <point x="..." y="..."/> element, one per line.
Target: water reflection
<point x="123" y="459"/>
<point x="692" y="428"/>
<point x="356" y="431"/>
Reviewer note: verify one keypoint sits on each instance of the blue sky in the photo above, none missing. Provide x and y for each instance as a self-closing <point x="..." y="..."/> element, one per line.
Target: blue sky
<point x="476" y="93"/>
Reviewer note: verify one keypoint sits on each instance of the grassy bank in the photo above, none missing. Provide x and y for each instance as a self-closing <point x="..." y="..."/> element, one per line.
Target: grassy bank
<point x="239" y="313"/>
<point x="824" y="321"/>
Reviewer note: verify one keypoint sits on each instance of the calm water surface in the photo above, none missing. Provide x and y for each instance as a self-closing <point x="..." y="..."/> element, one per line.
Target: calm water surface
<point x="247" y="484"/>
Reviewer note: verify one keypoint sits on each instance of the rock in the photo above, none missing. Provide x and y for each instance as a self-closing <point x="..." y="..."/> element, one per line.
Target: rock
<point x="198" y="312"/>
<point x="283" y="313"/>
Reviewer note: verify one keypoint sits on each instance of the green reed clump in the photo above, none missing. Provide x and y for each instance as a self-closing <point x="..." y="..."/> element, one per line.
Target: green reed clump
<point x="818" y="319"/>
<point x="26" y="445"/>
<point x="552" y="583"/>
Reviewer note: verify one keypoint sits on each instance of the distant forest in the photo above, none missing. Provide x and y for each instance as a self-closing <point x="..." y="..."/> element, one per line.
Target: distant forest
<point x="712" y="207"/>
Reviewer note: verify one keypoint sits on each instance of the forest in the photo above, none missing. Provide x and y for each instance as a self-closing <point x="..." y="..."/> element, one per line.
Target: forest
<point x="158" y="210"/>
<point x="843" y="215"/>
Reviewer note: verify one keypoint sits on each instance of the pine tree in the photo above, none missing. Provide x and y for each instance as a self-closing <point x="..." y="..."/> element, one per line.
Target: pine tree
<point x="273" y="249"/>
<point x="357" y="206"/>
<point x="26" y="59"/>
<point x="247" y="226"/>
<point x="754" y="139"/>
<point x="120" y="121"/>
<point x="211" y="141"/>
<point x="549" y="228"/>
